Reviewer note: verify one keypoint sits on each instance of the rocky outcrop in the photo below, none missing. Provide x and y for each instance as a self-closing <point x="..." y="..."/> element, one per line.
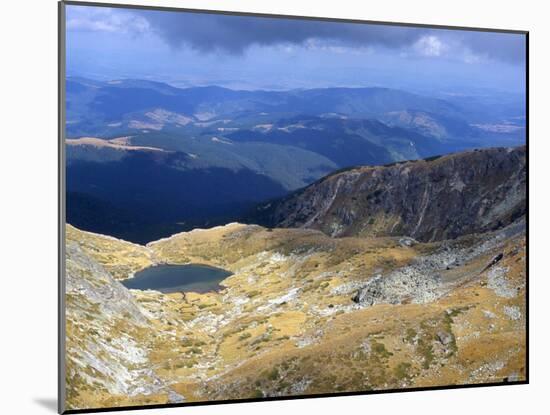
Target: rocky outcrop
<point x="433" y="199"/>
<point x="107" y="359"/>
<point x="424" y="280"/>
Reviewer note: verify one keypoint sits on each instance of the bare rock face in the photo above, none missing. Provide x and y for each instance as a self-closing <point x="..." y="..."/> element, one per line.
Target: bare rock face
<point x="85" y="277"/>
<point x="428" y="200"/>
<point x="424" y="280"/>
<point x="107" y="357"/>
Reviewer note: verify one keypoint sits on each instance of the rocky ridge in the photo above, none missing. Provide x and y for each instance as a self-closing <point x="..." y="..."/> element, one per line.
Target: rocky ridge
<point x="429" y="200"/>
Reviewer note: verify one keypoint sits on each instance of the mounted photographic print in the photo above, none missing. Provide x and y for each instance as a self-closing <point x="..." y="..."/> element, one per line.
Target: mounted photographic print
<point x="270" y="207"/>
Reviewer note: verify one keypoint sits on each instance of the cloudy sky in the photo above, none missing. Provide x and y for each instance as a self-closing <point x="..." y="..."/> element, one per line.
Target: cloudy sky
<point x="252" y="52"/>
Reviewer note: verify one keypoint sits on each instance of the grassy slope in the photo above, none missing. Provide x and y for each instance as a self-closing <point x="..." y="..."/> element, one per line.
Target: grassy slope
<point x="285" y="323"/>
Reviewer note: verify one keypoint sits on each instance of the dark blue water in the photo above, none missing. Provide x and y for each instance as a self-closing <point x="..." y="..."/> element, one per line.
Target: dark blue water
<point x="177" y="278"/>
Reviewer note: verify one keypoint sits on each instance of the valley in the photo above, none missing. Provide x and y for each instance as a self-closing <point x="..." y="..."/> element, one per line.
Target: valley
<point x="304" y="312"/>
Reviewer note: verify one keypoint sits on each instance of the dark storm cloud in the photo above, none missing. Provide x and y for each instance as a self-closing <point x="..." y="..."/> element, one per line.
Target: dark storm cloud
<point x="234" y="34"/>
<point x="206" y="32"/>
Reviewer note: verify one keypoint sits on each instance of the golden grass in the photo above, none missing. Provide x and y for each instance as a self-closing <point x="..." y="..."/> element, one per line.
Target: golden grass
<point x="209" y="347"/>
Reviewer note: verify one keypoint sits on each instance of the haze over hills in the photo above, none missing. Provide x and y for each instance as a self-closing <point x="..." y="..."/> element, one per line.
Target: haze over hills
<point x="169" y="147"/>
<point x="111" y="108"/>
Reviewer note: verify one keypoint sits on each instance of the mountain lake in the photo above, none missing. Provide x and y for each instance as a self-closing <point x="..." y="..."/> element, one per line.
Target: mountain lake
<point x="170" y="278"/>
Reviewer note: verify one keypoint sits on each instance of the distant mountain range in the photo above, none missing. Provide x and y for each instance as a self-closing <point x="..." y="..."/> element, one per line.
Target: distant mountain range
<point x="145" y="159"/>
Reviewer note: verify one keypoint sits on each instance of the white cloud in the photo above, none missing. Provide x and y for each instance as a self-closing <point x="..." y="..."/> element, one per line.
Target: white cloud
<point x="470" y="57"/>
<point x="99" y="19"/>
<point x="430" y="45"/>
